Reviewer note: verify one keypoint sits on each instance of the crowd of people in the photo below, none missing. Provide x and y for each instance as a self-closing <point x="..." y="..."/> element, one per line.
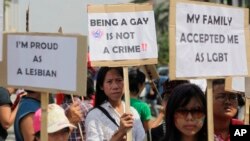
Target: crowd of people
<point x="101" y="116"/>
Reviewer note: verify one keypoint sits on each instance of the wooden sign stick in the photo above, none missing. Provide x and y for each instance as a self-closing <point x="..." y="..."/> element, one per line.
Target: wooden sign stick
<point x="79" y="126"/>
<point x="127" y="98"/>
<point x="210" y="118"/>
<point x="44" y="121"/>
<point x="247" y="95"/>
<point x="246" y="118"/>
<point x="151" y="81"/>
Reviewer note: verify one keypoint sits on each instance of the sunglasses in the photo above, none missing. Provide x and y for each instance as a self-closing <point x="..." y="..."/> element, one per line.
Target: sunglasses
<point x="196" y="113"/>
<point x="225" y="96"/>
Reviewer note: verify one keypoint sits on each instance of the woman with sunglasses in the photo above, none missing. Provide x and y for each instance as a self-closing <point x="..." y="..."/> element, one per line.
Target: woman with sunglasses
<point x="186" y="114"/>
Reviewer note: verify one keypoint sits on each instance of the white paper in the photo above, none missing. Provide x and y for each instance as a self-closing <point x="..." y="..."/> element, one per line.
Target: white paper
<point x="130" y="36"/>
<point x="202" y="83"/>
<point x="58" y="60"/>
<point x="218" y="55"/>
<point x="238" y="84"/>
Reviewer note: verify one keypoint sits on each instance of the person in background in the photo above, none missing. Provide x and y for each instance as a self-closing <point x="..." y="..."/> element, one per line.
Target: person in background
<point x="186" y="114"/>
<point x="157" y="133"/>
<point x="90" y="98"/>
<point x="136" y="85"/>
<point x="225" y="106"/>
<point x="241" y="106"/>
<point x="23" y="124"/>
<point x="108" y="120"/>
<point x="58" y="127"/>
<point x="7" y="115"/>
<point x="77" y="134"/>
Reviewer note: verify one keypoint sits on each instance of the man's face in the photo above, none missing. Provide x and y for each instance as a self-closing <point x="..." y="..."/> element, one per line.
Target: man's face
<point x="224" y="103"/>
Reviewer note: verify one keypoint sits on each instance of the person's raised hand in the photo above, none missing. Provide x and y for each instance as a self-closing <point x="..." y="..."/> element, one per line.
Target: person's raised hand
<point x="74" y="113"/>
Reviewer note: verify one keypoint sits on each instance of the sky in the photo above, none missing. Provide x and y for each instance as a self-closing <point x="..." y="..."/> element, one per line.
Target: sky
<point x="49" y="15"/>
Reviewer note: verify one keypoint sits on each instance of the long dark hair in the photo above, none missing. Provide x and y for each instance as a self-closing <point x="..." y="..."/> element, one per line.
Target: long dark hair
<point x="180" y="97"/>
<point x="100" y="95"/>
<point x="136" y="78"/>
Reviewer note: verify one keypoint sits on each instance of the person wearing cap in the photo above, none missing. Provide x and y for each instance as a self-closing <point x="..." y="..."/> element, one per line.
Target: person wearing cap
<point x="7" y="115"/>
<point x="225" y="105"/>
<point x="58" y="126"/>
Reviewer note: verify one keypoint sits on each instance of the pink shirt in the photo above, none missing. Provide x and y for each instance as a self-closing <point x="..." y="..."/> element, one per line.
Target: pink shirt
<point x="218" y="136"/>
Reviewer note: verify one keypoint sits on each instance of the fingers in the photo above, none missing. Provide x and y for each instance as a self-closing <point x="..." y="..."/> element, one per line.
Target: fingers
<point x="74" y="113"/>
<point x="126" y="122"/>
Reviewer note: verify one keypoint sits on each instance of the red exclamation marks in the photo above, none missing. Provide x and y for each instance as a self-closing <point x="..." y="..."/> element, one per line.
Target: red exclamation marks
<point x="144" y="46"/>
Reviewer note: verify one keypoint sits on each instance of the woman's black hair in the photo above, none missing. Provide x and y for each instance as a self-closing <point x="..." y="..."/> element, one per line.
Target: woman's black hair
<point x="100" y="95"/>
<point x="180" y="97"/>
<point x="136" y="78"/>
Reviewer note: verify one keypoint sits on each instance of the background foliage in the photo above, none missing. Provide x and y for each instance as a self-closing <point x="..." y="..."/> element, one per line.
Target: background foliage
<point x="161" y="20"/>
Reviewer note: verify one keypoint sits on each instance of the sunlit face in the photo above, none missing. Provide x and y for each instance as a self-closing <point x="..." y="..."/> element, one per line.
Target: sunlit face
<point x="61" y="135"/>
<point x="113" y="85"/>
<point x="189" y="119"/>
<point x="224" y="103"/>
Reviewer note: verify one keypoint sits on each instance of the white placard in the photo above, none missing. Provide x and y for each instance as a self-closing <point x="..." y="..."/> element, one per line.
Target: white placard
<point x="210" y="41"/>
<point x="1" y="30"/>
<point x="238" y="84"/>
<point x="42" y="61"/>
<point x="122" y="36"/>
<point x="202" y="83"/>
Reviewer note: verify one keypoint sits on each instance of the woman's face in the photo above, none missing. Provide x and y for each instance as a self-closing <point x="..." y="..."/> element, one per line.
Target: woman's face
<point x="189" y="119"/>
<point x="224" y="103"/>
<point x="113" y="85"/>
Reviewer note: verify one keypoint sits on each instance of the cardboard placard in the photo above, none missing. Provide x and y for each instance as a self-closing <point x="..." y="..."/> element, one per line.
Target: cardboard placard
<point x="208" y="40"/>
<point x="238" y="84"/>
<point x="122" y="35"/>
<point x="235" y="84"/>
<point x="49" y="62"/>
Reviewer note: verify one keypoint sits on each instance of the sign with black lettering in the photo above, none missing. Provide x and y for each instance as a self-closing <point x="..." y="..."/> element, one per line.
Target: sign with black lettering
<point x="239" y="132"/>
<point x="47" y="61"/>
<point x="208" y="40"/>
<point x="122" y="35"/>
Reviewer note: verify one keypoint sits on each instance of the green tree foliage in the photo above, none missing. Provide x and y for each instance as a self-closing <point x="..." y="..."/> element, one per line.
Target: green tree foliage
<point x="161" y="11"/>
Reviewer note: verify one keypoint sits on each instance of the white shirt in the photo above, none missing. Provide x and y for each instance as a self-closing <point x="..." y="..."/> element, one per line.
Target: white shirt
<point x="100" y="128"/>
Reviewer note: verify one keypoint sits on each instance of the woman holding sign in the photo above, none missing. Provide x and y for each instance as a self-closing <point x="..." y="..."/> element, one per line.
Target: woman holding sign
<point x="186" y="114"/>
<point x="108" y="120"/>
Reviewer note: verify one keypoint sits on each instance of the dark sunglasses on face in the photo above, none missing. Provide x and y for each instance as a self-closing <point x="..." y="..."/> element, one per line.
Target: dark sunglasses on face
<point x="196" y="113"/>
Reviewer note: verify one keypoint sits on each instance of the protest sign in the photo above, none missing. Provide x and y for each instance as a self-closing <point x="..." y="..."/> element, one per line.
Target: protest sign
<point x="122" y="35"/>
<point x="206" y="39"/>
<point x="45" y="62"/>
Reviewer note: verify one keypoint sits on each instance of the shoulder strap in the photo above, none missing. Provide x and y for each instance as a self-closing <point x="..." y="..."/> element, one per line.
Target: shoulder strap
<point x="107" y="114"/>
